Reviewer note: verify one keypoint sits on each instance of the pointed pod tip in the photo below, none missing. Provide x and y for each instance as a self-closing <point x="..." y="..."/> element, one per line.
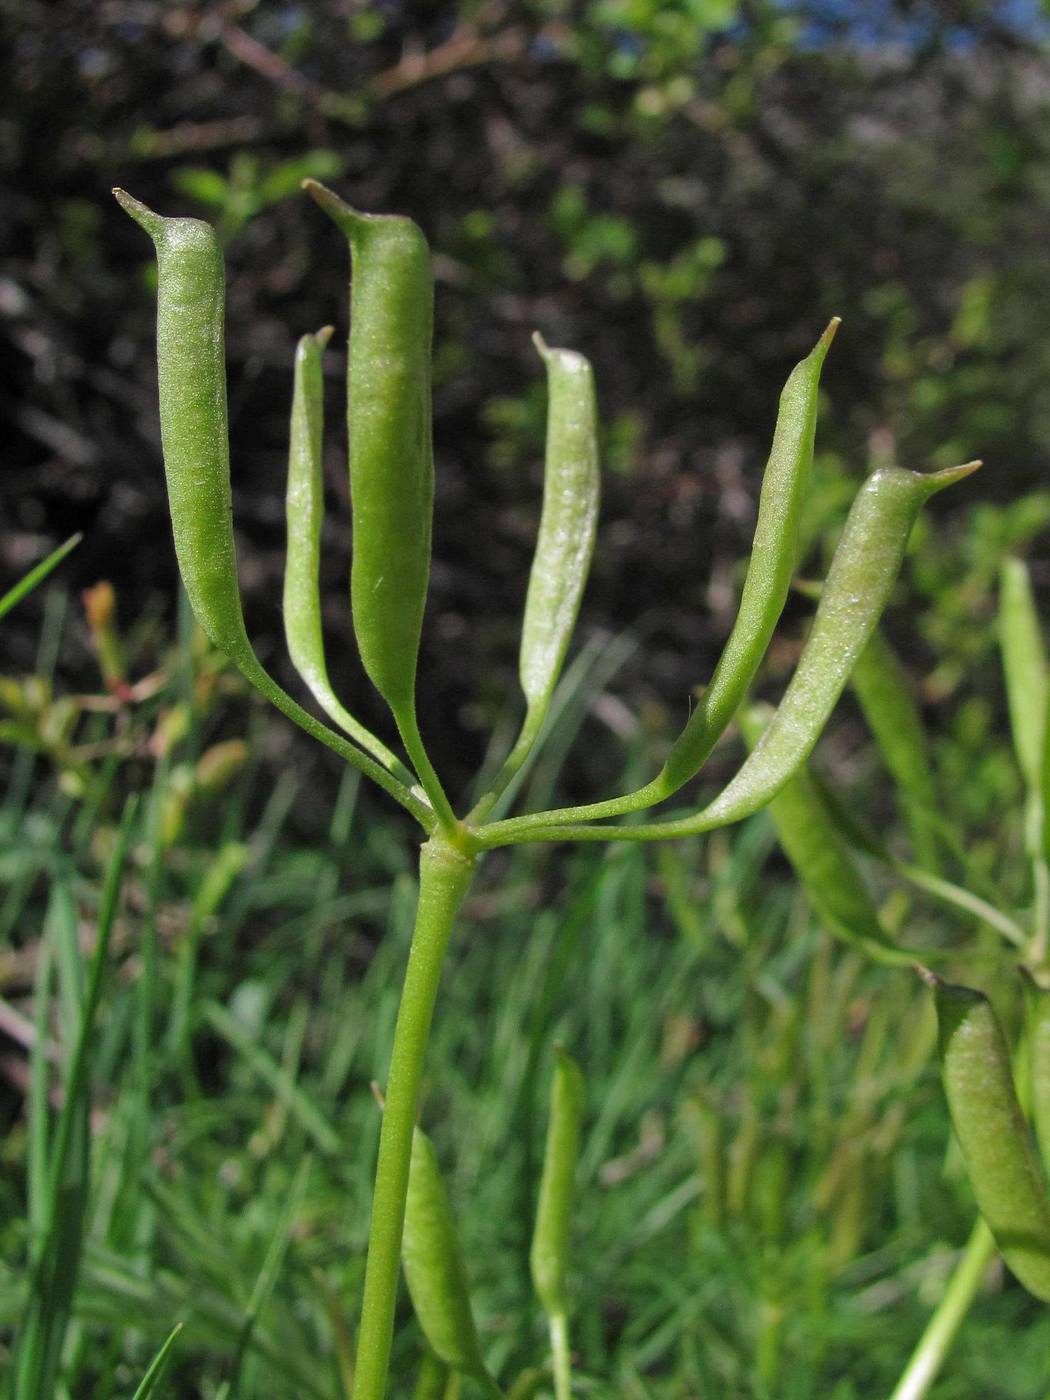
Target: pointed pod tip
<point x="348" y="219"/>
<point x="542" y="348"/>
<point x="323" y="336"/>
<point x="937" y="481"/>
<point x="144" y="216"/>
<point x="829" y="331"/>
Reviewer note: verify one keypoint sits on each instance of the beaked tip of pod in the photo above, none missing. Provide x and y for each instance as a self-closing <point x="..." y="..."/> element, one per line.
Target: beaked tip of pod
<point x="829" y="332"/>
<point x="141" y="213"/>
<point x="542" y="348"/>
<point x="323" y="336"/>
<point x="937" y="481"/>
<point x="348" y="219"/>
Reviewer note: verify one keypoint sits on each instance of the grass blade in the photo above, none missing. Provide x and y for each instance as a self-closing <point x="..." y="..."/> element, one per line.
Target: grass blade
<point x="158" y="1366"/>
<point x="37" y="574"/>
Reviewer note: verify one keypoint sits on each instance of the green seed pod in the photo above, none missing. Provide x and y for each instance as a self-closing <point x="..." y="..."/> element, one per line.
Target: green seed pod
<point x="304" y="506"/>
<point x="550" y="1240"/>
<point x="891" y="714"/>
<point x="571" y="488"/>
<point x="434" y="1270"/>
<point x="992" y="1132"/>
<point x="191" y="375"/>
<point x="855" y="592"/>
<point x="391" y="458"/>
<point x="773" y="559"/>
<point x="305" y="517"/>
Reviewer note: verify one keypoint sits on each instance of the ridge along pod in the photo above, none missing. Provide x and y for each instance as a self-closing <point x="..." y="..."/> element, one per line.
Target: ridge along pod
<point x="434" y="1269"/>
<point x="992" y="1131"/>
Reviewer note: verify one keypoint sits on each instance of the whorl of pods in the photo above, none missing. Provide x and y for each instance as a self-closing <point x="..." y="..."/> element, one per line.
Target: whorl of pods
<point x="391" y="475"/>
<point x="391" y="482"/>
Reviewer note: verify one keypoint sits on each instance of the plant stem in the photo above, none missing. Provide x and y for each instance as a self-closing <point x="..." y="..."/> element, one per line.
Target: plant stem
<point x="928" y="1357"/>
<point x="559" y="1330"/>
<point x="445" y="876"/>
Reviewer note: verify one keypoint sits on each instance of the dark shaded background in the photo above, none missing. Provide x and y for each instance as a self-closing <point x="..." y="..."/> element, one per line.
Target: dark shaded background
<point x="685" y="192"/>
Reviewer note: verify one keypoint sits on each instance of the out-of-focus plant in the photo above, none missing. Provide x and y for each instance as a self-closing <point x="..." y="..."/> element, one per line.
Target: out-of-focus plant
<point x="992" y="1090"/>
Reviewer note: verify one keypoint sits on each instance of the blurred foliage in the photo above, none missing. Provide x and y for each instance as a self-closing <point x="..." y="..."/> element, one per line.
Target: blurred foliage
<point x="765" y="1209"/>
<point x="684" y="191"/>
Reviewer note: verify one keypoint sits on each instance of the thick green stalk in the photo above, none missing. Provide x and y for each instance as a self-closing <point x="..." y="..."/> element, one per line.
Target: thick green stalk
<point x="445" y="876"/>
<point x="928" y="1357"/>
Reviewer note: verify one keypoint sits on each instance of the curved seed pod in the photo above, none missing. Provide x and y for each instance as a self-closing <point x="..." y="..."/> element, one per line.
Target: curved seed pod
<point x="773" y="559"/>
<point x="549" y="1255"/>
<point x="855" y="592"/>
<point x="571" y="488"/>
<point x="304" y="506"/>
<point x="858" y="585"/>
<point x="434" y="1271"/>
<point x="391" y="458"/>
<point x="821" y="859"/>
<point x="191" y="375"/>
<point x="891" y="714"/>
<point x="992" y="1132"/>
<point x="1037" y="1038"/>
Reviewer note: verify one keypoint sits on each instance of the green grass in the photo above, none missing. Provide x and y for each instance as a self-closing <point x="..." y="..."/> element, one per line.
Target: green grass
<point x="246" y="1004"/>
